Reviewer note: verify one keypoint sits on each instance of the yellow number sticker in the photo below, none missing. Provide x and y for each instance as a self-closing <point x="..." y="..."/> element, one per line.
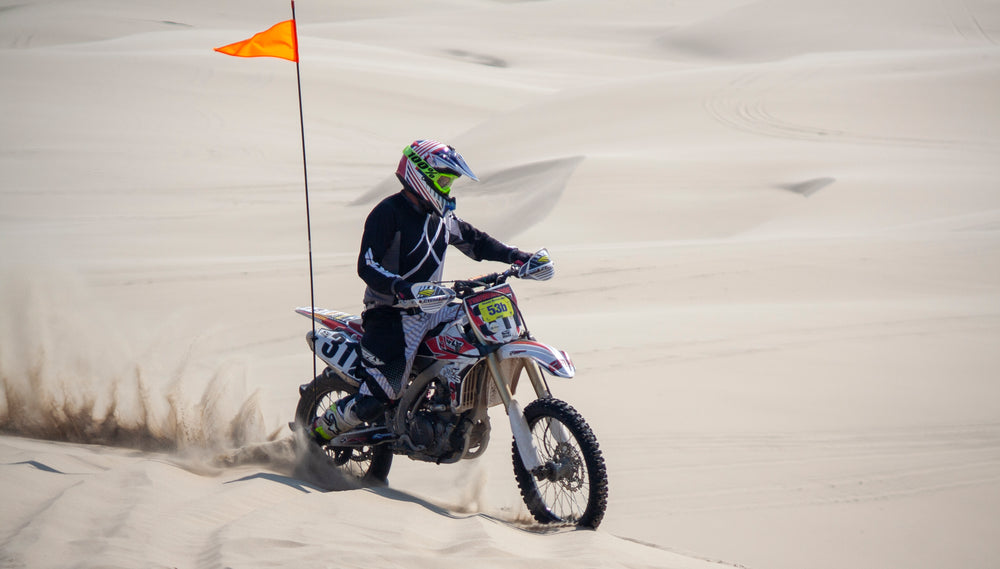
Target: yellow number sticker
<point x="496" y="308"/>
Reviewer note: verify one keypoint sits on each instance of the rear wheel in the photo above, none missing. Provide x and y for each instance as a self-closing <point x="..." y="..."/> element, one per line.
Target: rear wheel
<point x="571" y="486"/>
<point x="368" y="465"/>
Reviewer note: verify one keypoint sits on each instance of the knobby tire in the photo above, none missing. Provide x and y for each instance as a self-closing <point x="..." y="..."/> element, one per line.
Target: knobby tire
<point x="579" y="498"/>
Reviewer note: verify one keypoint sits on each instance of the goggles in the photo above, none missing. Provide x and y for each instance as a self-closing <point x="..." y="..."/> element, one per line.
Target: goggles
<point x="444" y="182"/>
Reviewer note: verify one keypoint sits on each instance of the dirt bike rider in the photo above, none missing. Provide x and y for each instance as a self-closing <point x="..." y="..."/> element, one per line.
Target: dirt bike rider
<point x="402" y="254"/>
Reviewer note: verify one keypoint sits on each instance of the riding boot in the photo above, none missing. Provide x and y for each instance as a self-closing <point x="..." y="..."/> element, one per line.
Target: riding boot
<point x="345" y="415"/>
<point x="339" y="418"/>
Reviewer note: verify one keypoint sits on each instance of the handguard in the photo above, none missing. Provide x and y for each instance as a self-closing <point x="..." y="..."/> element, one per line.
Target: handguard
<point x="538" y="268"/>
<point x="428" y="297"/>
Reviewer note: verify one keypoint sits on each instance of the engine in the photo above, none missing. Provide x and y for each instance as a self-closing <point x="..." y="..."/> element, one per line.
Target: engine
<point x="439" y="436"/>
<point x="435" y="432"/>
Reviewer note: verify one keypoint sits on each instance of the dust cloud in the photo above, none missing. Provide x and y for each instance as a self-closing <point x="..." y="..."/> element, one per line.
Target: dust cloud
<point x="72" y="373"/>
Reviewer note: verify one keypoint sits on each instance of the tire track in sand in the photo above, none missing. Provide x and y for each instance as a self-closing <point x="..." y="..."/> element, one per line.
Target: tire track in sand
<point x="747" y="104"/>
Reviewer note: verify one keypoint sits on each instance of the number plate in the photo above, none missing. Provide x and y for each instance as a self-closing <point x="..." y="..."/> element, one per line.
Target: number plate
<point x="493" y="315"/>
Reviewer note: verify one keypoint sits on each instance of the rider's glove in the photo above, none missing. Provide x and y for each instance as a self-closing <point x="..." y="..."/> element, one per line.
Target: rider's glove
<point x="519" y="257"/>
<point x="428" y="297"/>
<point x="401" y="289"/>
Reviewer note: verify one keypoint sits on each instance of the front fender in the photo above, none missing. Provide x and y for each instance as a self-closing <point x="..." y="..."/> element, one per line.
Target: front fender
<point x="556" y="361"/>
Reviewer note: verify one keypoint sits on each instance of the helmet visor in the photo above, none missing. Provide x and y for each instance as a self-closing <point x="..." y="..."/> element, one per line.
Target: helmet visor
<point x="451" y="162"/>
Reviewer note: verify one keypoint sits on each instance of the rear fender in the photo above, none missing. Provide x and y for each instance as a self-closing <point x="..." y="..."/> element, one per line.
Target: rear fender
<point x="554" y="360"/>
<point x="337" y="321"/>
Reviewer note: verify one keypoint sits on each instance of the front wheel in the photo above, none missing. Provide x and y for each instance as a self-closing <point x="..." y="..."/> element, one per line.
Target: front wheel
<point x="571" y="486"/>
<point x="367" y="465"/>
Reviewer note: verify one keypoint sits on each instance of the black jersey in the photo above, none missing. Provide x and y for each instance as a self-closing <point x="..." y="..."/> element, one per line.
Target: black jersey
<point x="403" y="244"/>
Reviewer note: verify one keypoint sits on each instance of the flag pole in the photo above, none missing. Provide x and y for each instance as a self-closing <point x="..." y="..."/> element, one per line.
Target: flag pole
<point x="305" y="180"/>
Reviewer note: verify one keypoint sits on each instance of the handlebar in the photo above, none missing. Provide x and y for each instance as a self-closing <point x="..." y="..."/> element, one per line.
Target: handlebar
<point x="538" y="267"/>
<point x="464" y="288"/>
<point x="459" y="288"/>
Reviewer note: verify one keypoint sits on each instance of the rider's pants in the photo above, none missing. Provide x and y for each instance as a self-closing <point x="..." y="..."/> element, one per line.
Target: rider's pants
<point x="390" y="343"/>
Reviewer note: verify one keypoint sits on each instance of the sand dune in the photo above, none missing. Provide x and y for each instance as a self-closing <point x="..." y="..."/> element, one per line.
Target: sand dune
<point x="775" y="226"/>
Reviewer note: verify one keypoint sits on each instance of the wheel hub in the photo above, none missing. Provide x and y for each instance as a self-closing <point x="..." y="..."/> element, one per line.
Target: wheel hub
<point x="565" y="468"/>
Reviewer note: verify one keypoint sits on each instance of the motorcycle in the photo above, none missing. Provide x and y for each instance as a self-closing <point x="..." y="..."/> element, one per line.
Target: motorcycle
<point x="465" y="366"/>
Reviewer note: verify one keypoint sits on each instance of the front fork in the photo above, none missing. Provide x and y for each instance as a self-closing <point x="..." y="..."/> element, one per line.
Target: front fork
<point x="518" y="424"/>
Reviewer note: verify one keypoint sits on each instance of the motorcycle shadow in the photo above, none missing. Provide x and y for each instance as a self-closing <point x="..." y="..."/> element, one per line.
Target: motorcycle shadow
<point x="302" y="465"/>
<point x="525" y="524"/>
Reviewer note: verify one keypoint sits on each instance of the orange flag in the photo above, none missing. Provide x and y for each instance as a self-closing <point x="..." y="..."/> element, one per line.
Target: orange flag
<point x="280" y="40"/>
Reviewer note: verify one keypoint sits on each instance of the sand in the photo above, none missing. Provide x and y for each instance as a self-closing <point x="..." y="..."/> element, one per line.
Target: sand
<point x="776" y="226"/>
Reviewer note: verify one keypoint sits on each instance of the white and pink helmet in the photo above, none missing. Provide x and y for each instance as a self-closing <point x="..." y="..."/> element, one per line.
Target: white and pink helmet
<point x="428" y="169"/>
